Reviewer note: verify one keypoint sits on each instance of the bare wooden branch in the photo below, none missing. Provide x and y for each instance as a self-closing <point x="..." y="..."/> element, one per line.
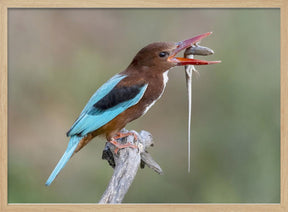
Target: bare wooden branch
<point x="126" y="163"/>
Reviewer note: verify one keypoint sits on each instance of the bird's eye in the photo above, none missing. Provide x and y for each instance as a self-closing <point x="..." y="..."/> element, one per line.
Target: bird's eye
<point x="163" y="54"/>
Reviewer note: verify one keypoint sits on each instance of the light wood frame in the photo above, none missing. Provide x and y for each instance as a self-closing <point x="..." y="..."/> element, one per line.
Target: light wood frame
<point x="6" y="4"/>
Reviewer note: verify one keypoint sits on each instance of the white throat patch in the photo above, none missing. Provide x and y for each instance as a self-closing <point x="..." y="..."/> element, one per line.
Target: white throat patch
<point x="165" y="77"/>
<point x="165" y="80"/>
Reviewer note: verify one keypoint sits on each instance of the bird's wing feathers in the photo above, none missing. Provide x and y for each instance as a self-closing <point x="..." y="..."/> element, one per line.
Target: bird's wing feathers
<point x="103" y="91"/>
<point x="107" y="103"/>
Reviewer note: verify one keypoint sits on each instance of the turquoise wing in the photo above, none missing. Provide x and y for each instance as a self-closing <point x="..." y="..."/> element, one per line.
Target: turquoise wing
<point x="107" y="103"/>
<point x="103" y="91"/>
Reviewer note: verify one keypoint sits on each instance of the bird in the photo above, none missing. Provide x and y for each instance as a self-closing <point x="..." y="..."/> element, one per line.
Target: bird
<point x="127" y="96"/>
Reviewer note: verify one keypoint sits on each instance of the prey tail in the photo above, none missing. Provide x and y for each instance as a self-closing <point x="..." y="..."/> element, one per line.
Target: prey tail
<point x="73" y="143"/>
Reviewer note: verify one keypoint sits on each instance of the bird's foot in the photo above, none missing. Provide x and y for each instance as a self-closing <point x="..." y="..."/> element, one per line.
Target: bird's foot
<point x="123" y="135"/>
<point x="122" y="146"/>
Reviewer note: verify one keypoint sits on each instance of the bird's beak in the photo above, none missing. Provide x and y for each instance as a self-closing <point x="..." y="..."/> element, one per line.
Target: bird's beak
<point x="179" y="61"/>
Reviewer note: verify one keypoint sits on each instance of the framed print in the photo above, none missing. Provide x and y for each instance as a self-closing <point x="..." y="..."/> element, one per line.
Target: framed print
<point x="54" y="56"/>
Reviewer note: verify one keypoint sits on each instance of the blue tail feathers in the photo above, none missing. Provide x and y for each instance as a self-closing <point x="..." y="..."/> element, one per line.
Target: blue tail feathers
<point x="73" y="143"/>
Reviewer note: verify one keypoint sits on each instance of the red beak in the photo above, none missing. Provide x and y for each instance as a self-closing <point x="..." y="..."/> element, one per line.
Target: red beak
<point x="185" y="44"/>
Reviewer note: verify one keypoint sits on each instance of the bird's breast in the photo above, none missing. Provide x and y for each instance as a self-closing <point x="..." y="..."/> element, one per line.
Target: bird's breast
<point x="157" y="90"/>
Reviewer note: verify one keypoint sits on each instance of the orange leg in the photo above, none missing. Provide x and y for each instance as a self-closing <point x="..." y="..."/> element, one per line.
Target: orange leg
<point x="121" y="146"/>
<point x="123" y="135"/>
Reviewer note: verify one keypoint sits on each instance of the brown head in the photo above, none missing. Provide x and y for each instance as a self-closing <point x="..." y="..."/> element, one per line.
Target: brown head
<point x="161" y="56"/>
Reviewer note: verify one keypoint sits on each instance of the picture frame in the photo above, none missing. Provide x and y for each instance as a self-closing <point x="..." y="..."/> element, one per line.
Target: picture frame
<point x="6" y="4"/>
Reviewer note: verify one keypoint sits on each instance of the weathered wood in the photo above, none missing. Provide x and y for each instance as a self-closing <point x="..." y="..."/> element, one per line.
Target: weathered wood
<point x="126" y="163"/>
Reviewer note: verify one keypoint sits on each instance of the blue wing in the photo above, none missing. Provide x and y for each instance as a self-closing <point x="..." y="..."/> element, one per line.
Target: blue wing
<point x="102" y="91"/>
<point x="95" y="114"/>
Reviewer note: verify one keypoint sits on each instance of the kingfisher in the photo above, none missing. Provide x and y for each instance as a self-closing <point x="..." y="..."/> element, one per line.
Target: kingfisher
<point x="126" y="97"/>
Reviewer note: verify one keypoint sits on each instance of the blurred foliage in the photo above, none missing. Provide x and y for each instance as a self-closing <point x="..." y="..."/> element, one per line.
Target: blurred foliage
<point x="59" y="57"/>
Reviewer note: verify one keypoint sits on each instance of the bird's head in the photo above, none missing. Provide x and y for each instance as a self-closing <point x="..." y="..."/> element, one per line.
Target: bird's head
<point x="161" y="56"/>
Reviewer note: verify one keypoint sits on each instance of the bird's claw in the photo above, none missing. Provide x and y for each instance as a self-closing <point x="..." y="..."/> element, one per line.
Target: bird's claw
<point x="123" y="135"/>
<point x="119" y="146"/>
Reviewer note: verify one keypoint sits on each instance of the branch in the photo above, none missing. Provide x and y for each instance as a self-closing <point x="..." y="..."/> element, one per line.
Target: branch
<point x="126" y="164"/>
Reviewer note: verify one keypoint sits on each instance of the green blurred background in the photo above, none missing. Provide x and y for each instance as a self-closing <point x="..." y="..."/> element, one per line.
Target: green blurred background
<point x="59" y="57"/>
